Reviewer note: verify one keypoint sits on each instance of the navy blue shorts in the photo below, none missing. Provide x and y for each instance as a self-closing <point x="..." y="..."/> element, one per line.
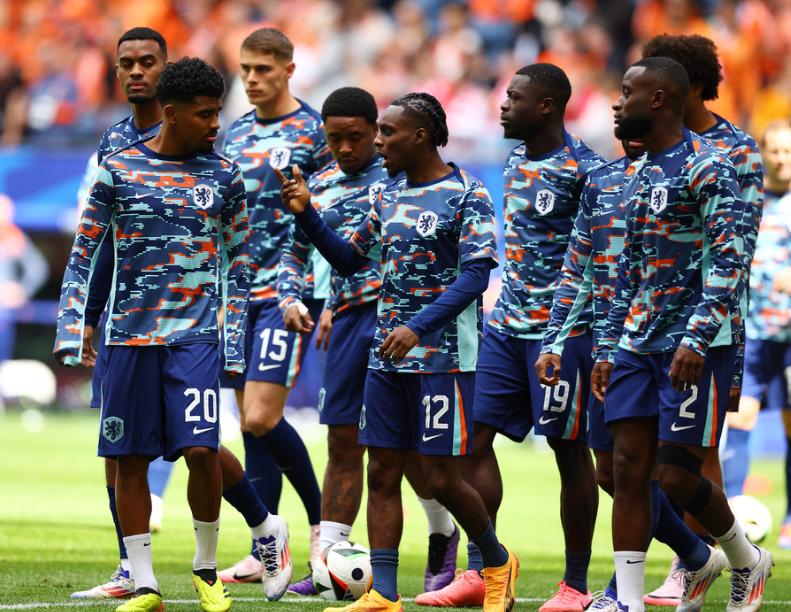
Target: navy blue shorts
<point x="343" y="387"/>
<point x="428" y="413"/>
<point x="509" y="397"/>
<point x="640" y="387"/>
<point x="272" y="353"/>
<point x="158" y="400"/>
<point x="599" y="436"/>
<point x="100" y="367"/>
<point x="767" y="372"/>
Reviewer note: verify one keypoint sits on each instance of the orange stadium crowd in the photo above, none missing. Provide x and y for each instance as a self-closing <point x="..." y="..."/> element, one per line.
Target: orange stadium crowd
<point x="57" y="84"/>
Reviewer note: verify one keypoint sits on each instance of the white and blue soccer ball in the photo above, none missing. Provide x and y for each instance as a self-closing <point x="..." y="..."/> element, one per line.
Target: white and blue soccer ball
<point x="754" y="518"/>
<point x="343" y="572"/>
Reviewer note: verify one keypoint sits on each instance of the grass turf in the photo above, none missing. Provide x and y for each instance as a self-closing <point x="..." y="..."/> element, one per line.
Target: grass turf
<point x="56" y="535"/>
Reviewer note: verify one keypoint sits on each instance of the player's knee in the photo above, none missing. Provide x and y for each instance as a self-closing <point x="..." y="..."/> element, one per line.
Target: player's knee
<point x="200" y="457"/>
<point x="604" y="478"/>
<point x="570" y="455"/>
<point x="383" y="478"/>
<point x="741" y="420"/>
<point x="260" y="422"/>
<point x="342" y="445"/>
<point x="680" y="478"/>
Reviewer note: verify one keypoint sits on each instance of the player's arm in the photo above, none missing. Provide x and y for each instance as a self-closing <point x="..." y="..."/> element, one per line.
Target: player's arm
<point x="96" y="217"/>
<point x="572" y="293"/>
<point x="291" y="281"/>
<point x="478" y="255"/>
<point x="234" y="231"/>
<point x="714" y="185"/>
<point x="347" y="258"/>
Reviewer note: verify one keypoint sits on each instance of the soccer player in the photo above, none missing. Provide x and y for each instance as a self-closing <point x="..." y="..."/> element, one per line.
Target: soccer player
<point x="698" y="56"/>
<point x="768" y="326"/>
<point x="343" y="193"/>
<point x="175" y="208"/>
<point x="674" y="324"/>
<point x="432" y="229"/>
<point x="280" y="132"/>
<point x="542" y="181"/>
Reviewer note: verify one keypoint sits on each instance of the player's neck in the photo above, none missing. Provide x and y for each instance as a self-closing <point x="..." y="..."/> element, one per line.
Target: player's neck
<point x="147" y="114"/>
<point x="775" y="185"/>
<point x="280" y="107"/>
<point x="698" y="118"/>
<point x="432" y="168"/>
<point x="166" y="143"/>
<point x="662" y="137"/>
<point x="547" y="140"/>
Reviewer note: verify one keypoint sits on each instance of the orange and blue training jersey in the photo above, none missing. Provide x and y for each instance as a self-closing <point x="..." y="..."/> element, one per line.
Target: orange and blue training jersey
<point x="591" y="262"/>
<point x="259" y="146"/>
<point x="343" y="202"/>
<point x="122" y="134"/>
<point x="178" y="225"/>
<point x="769" y="314"/>
<point x="541" y="197"/>
<point x="683" y="257"/>
<point x="422" y="234"/>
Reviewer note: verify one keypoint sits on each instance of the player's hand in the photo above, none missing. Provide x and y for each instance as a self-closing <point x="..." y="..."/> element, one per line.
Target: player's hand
<point x="782" y="281"/>
<point x="232" y="374"/>
<point x="88" y="358"/>
<point x="298" y="319"/>
<point x="733" y="399"/>
<point x="600" y="379"/>
<point x="686" y="369"/>
<point x="398" y="343"/>
<point x="325" y="329"/>
<point x="546" y="361"/>
<point x="294" y="192"/>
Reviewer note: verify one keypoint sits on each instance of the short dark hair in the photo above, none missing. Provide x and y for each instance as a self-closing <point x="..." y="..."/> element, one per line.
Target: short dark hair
<point x="428" y="112"/>
<point x="696" y="53"/>
<point x="188" y="78"/>
<point x="350" y="102"/>
<point x="144" y="34"/>
<point x="668" y="69"/>
<point x="551" y="79"/>
<point x="270" y="40"/>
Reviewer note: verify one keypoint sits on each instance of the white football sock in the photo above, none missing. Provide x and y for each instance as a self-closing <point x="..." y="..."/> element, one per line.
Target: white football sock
<point x="741" y="554"/>
<point x="630" y="577"/>
<point x="332" y="533"/>
<point x="127" y="567"/>
<point x="270" y="527"/>
<point x="206" y="537"/>
<point x="138" y="547"/>
<point x="439" y="520"/>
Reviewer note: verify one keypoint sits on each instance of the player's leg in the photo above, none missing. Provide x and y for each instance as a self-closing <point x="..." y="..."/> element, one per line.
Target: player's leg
<point x="343" y="484"/>
<point x="270" y="535"/>
<point x="689" y="427"/>
<point x="443" y="538"/>
<point x="158" y="475"/>
<point x="785" y="530"/>
<point x="560" y="413"/>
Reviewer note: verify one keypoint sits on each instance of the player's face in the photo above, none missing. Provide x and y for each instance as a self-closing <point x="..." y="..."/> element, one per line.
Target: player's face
<point x="197" y="124"/>
<point x="265" y="77"/>
<point x="633" y="109"/>
<point x="138" y="68"/>
<point x="351" y="142"/>
<point x="633" y="148"/>
<point x="777" y="154"/>
<point x="523" y="108"/>
<point x="396" y="140"/>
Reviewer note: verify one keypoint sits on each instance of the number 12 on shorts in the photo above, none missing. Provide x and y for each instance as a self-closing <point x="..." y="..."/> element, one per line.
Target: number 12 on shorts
<point x="441" y="404"/>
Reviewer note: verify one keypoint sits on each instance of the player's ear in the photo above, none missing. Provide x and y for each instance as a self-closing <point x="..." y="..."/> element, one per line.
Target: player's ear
<point x="547" y="105"/>
<point x="420" y="136"/>
<point x="290" y="69"/>
<point x="658" y="98"/>
<point x="169" y="113"/>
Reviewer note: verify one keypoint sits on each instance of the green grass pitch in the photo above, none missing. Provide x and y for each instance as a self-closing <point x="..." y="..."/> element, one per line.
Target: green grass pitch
<point x="56" y="535"/>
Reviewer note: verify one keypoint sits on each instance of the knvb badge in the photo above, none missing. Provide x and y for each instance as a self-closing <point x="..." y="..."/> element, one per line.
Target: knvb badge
<point x="203" y="196"/>
<point x="658" y="199"/>
<point x="545" y="201"/>
<point x="279" y="157"/>
<point x="374" y="191"/>
<point x="112" y="429"/>
<point x="426" y="223"/>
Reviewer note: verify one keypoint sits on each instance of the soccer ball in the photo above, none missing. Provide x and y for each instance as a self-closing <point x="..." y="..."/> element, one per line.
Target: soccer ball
<point x="754" y="518"/>
<point x="343" y="572"/>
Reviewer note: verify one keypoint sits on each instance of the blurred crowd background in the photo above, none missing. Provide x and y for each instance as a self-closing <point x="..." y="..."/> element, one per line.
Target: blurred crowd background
<point x="59" y="93"/>
<point x="57" y="82"/>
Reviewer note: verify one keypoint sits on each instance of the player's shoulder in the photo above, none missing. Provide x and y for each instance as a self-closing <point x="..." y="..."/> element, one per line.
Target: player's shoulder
<point x="329" y="174"/>
<point x="243" y="123"/>
<point x="130" y="150"/>
<point x="223" y="163"/>
<point x="470" y="182"/>
<point x="586" y="157"/>
<point x="608" y="173"/>
<point x="739" y="136"/>
<point x="307" y="109"/>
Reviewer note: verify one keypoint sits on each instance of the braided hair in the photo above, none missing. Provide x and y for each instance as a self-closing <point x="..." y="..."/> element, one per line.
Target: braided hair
<point x="428" y="112"/>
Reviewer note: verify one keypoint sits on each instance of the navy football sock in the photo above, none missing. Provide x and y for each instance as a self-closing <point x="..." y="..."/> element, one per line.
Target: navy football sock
<point x="474" y="559"/>
<point x="736" y="461"/>
<point x="613" y="586"/>
<point x="118" y="533"/>
<point x="384" y="567"/>
<point x="263" y="472"/>
<point x="656" y="505"/>
<point x="292" y="458"/>
<point x="672" y="531"/>
<point x="576" y="575"/>
<point x="158" y="475"/>
<point x="788" y="477"/>
<point x="492" y="553"/>
<point x="243" y="497"/>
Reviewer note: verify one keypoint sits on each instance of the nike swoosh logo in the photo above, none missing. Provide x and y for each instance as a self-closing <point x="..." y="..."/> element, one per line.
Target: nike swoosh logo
<point x="264" y="368"/>
<point x="425" y="439"/>
<point x="544" y="420"/>
<point x="345" y="535"/>
<point x="674" y="427"/>
<point x="197" y="431"/>
<point x="633" y="562"/>
<point x="147" y="544"/>
<point x="142" y="195"/>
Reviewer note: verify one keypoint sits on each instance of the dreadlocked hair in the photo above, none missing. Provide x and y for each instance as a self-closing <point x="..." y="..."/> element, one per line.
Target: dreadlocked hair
<point x="428" y="112"/>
